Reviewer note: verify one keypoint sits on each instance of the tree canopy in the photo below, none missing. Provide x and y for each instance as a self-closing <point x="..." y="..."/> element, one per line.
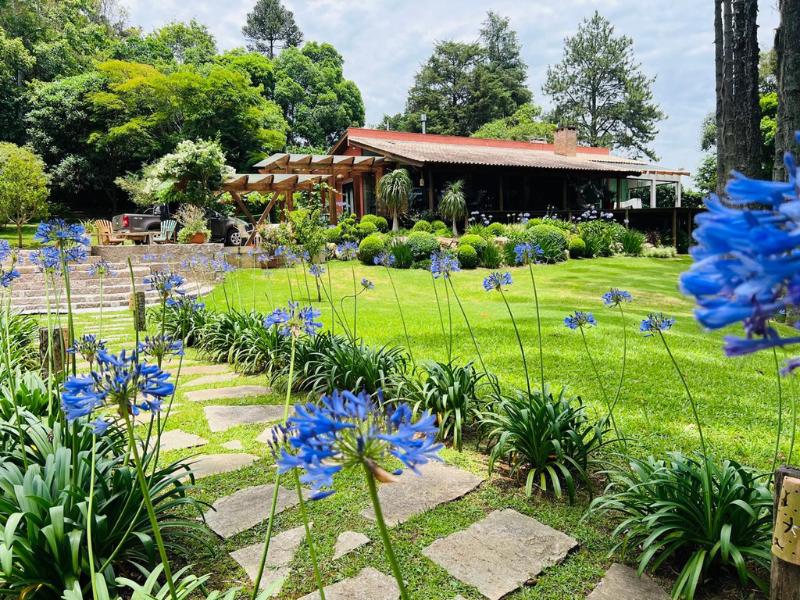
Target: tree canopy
<point x="271" y="25"/>
<point x="23" y="186"/>
<point x="600" y="88"/>
<point x="525" y="125"/>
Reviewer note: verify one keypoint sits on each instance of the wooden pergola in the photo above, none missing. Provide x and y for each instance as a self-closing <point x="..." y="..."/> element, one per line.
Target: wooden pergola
<point x="277" y="184"/>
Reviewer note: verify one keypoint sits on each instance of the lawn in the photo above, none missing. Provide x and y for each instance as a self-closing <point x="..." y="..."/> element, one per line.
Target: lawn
<point x="9" y="233"/>
<point x="737" y="397"/>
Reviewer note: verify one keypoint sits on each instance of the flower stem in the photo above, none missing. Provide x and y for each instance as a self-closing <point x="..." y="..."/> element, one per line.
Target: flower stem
<point x="330" y="299"/>
<point x="794" y="425"/>
<point x="90" y="514"/>
<point x="439" y="306"/>
<point x="12" y="381"/>
<point x="402" y="318"/>
<point x="70" y="322"/>
<point x="355" y="304"/>
<point x="387" y="542"/>
<point x="311" y="549"/>
<point x="538" y="326"/>
<point x="148" y="503"/>
<point x="472" y="334"/>
<point x="600" y="383"/>
<point x="101" y="307"/>
<point x="519" y="341"/>
<point x="449" y="326"/>
<point x="780" y="414"/>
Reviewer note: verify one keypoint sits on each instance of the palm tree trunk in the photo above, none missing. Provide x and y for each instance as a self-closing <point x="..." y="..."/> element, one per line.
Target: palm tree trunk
<point x="787" y="49"/>
<point x="455" y="231"/>
<point x="395" y="224"/>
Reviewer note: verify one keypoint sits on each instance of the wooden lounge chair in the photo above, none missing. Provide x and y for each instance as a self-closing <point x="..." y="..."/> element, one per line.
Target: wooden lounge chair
<point x="105" y="234"/>
<point x="167" y="231"/>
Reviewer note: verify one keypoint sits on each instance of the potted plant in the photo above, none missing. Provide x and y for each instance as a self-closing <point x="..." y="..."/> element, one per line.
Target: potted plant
<point x="194" y="226"/>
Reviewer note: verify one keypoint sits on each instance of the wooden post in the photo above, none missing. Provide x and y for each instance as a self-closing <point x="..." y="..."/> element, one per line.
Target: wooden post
<point x="785" y="572"/>
<point x="564" y="193"/>
<point x="358" y="195"/>
<point x="137" y="305"/>
<point x="333" y="214"/>
<point x="59" y="341"/>
<point x="501" y="199"/>
<point x="675" y="228"/>
<point x="652" y="193"/>
<point x="430" y="190"/>
<point x="678" y="193"/>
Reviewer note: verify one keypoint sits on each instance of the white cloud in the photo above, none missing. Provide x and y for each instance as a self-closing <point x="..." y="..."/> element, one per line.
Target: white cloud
<point x="384" y="42"/>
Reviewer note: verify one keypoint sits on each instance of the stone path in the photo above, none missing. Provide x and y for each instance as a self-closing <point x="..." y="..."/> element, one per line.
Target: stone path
<point x="210" y="380"/>
<point x="347" y="542"/>
<point x="240" y="391"/>
<point x="282" y="548"/>
<point x="622" y="583"/>
<point x="222" y="418"/>
<point x="176" y="439"/>
<point x="413" y="494"/>
<point x="369" y="584"/>
<point x="205" y="370"/>
<point x="213" y="464"/>
<point x="233" y="445"/>
<point x="247" y="508"/>
<point x="500" y="553"/>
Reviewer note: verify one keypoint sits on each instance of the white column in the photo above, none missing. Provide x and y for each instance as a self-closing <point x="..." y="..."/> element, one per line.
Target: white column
<point x="678" y="192"/>
<point x="652" y="193"/>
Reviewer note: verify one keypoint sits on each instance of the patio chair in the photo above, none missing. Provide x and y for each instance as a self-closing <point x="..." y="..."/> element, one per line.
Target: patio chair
<point x="105" y="234"/>
<point x="167" y="231"/>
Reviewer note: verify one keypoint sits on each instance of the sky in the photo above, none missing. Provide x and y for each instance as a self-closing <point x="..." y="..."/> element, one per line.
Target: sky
<point x="384" y="42"/>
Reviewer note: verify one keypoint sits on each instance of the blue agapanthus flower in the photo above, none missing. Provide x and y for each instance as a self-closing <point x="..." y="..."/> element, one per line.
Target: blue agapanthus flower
<point x="160" y="346"/>
<point x="102" y="268"/>
<point x="384" y="258"/>
<point x="747" y="259"/>
<point x="220" y="265"/>
<point x="5" y="250"/>
<point x="47" y="259"/>
<point x="294" y="321"/>
<point x="185" y="303"/>
<point x="615" y="297"/>
<point x="87" y="346"/>
<point x="62" y="234"/>
<point x="288" y="256"/>
<point x="367" y="284"/>
<point x="8" y="273"/>
<point x="580" y="319"/>
<point x="119" y="381"/>
<point x="316" y="270"/>
<point x="351" y="430"/>
<point x="347" y="250"/>
<point x="656" y="322"/>
<point x="496" y="281"/>
<point x="165" y="283"/>
<point x="526" y="253"/>
<point x="443" y="263"/>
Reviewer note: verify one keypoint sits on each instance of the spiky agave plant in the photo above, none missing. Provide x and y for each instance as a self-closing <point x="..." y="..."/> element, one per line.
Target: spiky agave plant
<point x="453" y="204"/>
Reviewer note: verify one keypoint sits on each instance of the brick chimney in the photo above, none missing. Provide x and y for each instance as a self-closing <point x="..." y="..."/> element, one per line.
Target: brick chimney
<point x="566" y="141"/>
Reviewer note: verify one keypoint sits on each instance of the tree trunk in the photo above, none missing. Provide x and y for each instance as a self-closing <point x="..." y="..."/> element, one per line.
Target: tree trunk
<point x="719" y="65"/>
<point x="19" y="235"/>
<point x="395" y="224"/>
<point x="787" y="50"/>
<point x="455" y="231"/>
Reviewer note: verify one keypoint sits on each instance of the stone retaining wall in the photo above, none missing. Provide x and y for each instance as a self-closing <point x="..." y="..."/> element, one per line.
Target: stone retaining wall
<point x="166" y="253"/>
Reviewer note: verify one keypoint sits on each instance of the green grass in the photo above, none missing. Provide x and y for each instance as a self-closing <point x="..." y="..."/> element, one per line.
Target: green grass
<point x="9" y="233"/>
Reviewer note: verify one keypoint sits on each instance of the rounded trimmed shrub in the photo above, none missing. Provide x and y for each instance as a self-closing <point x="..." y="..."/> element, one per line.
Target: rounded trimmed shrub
<point x="477" y="242"/>
<point x="437" y="224"/>
<point x="577" y="247"/>
<point x="552" y="241"/>
<point x="444" y="232"/>
<point x="422" y="225"/>
<point x="333" y="235"/>
<point x="366" y="228"/>
<point x="380" y="222"/>
<point x="496" y="229"/>
<point x="467" y="256"/>
<point x="369" y="248"/>
<point x="422" y="244"/>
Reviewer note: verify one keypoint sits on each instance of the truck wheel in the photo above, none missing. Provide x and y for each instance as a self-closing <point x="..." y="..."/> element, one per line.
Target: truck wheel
<point x="234" y="238"/>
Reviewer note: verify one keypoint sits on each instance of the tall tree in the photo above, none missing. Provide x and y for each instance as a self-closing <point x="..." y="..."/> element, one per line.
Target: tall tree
<point x="23" y="186"/>
<point x="525" y="125"/>
<point x="738" y="114"/>
<point x="503" y="54"/>
<point x="787" y="54"/>
<point x="271" y="25"/>
<point x="599" y="87"/>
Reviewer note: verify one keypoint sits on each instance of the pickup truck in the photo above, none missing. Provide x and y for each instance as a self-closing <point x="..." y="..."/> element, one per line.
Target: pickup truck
<point x="228" y="230"/>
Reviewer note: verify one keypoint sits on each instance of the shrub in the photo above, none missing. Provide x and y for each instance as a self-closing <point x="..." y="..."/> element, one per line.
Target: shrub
<point x="369" y="248"/>
<point x="422" y="225"/>
<point x="403" y="258"/>
<point x="632" y="242"/>
<point x="477" y="242"/>
<point x="577" y="247"/>
<point x="445" y="232"/>
<point x="425" y="265"/>
<point x="259" y="350"/>
<point x="366" y="228"/>
<point x="553" y="222"/>
<point x="599" y="237"/>
<point x="349" y="229"/>
<point x="333" y="235"/>
<point x="475" y="229"/>
<point x="552" y="241"/>
<point x="492" y="256"/>
<point x="22" y="331"/>
<point x="496" y="229"/>
<point x="659" y="251"/>
<point x="467" y="256"/>
<point x="549" y="438"/>
<point x="422" y="244"/>
<point x="668" y="513"/>
<point x="380" y="222"/>
<point x="438" y="224"/>
<point x="184" y="320"/>
<point x="447" y="390"/>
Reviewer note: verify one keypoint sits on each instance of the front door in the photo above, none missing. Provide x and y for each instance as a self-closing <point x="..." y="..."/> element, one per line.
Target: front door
<point x="348" y="196"/>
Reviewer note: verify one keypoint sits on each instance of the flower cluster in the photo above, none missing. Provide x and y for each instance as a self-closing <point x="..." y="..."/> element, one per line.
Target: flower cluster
<point x="294" y="321"/>
<point x="347" y="430"/>
<point x="443" y="263"/>
<point x="384" y="258"/>
<point x="366" y="284"/>
<point x="185" y="303"/>
<point x="220" y="266"/>
<point x="526" y="253"/>
<point x="579" y="320"/>
<point x="87" y="346"/>
<point x="347" y="250"/>
<point x="7" y="275"/>
<point x="747" y="259"/>
<point x="496" y="281"/>
<point x="289" y="257"/>
<point x="316" y="270"/>
<point x="656" y="322"/>
<point x="119" y="381"/>
<point x="160" y="346"/>
<point x="101" y="269"/>
<point x="615" y="297"/>
<point x="68" y="239"/>
<point x="165" y="283"/>
<point x="47" y="259"/>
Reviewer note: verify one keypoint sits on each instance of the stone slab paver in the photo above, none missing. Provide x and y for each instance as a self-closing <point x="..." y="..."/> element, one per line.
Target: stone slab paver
<point x="500" y="553"/>
<point x="233" y="445"/>
<point x="222" y="418"/>
<point x="247" y="508"/>
<point x="622" y="583"/>
<point x="413" y="494"/>
<point x="210" y="380"/>
<point x="177" y="439"/>
<point x="267" y="436"/>
<point x="205" y="370"/>
<point x="347" y="542"/>
<point x="369" y="584"/>
<point x="239" y="391"/>
<point x="213" y="464"/>
<point x="282" y="548"/>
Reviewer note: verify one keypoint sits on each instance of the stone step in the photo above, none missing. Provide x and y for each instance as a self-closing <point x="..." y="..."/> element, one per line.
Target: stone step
<point x="369" y="584"/>
<point x="622" y="583"/>
<point x="282" y="549"/>
<point x="247" y="508"/>
<point x="239" y="391"/>
<point x="222" y="418"/>
<point x="206" y="465"/>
